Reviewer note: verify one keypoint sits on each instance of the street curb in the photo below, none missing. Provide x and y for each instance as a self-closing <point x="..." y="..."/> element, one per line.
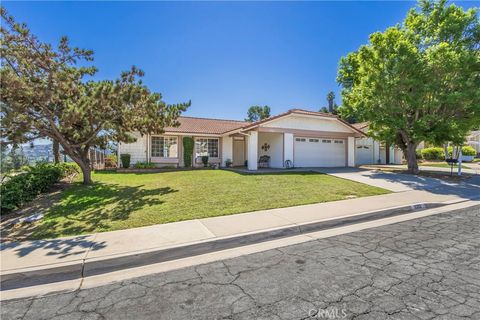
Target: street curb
<point x="96" y="266"/>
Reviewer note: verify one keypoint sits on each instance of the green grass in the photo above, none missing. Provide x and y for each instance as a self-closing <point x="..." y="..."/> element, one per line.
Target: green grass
<point x="126" y="200"/>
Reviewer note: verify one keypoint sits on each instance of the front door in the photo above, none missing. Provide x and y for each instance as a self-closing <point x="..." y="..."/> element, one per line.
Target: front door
<point x="238" y="152"/>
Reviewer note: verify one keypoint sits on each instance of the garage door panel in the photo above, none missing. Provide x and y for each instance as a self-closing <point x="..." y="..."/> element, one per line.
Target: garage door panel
<point x="319" y="152"/>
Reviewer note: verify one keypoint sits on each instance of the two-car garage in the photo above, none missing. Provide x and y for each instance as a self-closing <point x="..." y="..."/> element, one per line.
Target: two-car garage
<point x="319" y="152"/>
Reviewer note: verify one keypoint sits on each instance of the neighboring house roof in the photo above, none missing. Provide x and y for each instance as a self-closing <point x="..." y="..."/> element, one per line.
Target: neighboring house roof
<point x="206" y="126"/>
<point x="363" y="126"/>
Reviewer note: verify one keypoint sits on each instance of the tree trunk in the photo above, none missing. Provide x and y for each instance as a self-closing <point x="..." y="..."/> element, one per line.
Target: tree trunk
<point x="56" y="151"/>
<point x="86" y="171"/>
<point x="412" y="158"/>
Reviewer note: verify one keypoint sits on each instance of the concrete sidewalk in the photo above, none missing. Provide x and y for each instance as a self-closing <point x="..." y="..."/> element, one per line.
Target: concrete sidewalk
<point x="43" y="254"/>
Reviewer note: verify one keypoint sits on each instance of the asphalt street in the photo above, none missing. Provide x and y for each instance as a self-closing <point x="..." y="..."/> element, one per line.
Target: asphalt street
<point x="427" y="268"/>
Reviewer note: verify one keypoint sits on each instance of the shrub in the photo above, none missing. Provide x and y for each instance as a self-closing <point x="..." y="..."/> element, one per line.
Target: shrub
<point x="69" y="169"/>
<point x="24" y="187"/>
<point x="228" y="163"/>
<point x="187" y="151"/>
<point x="111" y="161"/>
<point x="434" y="153"/>
<point x="144" y="165"/>
<point x="125" y="158"/>
<point x="468" y="151"/>
<point x="205" y="161"/>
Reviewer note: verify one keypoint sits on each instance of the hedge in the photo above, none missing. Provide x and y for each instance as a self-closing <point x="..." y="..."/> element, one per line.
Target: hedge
<point x="438" y="153"/>
<point x="187" y="151"/>
<point x="434" y="153"/>
<point x="25" y="186"/>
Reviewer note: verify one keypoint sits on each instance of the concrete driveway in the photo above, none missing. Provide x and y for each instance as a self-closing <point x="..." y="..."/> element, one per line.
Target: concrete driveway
<point x="398" y="182"/>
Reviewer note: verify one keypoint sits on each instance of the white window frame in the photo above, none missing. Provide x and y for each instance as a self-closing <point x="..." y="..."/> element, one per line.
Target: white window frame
<point x="164" y="137"/>
<point x="198" y="155"/>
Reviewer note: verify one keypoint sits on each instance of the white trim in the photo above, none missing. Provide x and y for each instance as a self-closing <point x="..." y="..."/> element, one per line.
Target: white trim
<point x="149" y="146"/>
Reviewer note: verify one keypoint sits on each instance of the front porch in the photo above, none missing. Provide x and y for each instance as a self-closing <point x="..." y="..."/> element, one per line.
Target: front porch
<point x="283" y="150"/>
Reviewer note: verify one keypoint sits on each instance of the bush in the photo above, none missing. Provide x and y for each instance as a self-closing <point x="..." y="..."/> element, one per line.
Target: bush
<point x="228" y="163"/>
<point x="187" y="151"/>
<point x="205" y="161"/>
<point x="434" y="153"/>
<point x="144" y="165"/>
<point x="69" y="169"/>
<point x="111" y="161"/>
<point x="125" y="158"/>
<point x="468" y="151"/>
<point x="24" y="187"/>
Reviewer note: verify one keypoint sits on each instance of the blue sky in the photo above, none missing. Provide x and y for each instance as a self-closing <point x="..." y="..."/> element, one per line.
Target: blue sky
<point x="224" y="56"/>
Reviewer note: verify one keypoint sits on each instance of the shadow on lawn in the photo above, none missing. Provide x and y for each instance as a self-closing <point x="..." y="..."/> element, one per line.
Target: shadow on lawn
<point x="86" y="209"/>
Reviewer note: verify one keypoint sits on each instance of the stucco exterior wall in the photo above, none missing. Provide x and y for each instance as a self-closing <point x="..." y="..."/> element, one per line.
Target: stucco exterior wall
<point x="137" y="149"/>
<point x="306" y="123"/>
<point x="275" y="142"/>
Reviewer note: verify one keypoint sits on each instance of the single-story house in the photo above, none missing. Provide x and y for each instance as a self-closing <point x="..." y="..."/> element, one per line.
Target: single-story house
<point x="298" y="138"/>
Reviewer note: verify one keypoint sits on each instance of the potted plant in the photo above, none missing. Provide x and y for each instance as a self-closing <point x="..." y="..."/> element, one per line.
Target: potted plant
<point x="205" y="161"/>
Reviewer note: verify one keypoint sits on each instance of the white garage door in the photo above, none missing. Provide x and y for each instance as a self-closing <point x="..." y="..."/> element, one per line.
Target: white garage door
<point x="319" y="152"/>
<point x="364" y="152"/>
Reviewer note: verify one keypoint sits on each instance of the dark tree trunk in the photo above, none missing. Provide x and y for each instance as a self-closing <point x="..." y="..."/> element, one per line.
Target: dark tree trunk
<point x="411" y="156"/>
<point x="56" y="151"/>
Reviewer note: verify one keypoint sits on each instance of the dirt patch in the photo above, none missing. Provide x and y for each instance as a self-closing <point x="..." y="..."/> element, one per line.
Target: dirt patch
<point x="21" y="231"/>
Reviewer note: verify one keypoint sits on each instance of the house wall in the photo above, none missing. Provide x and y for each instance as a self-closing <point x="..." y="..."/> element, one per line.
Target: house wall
<point x="137" y="149"/>
<point x="275" y="141"/>
<point x="227" y="149"/>
<point x="307" y="123"/>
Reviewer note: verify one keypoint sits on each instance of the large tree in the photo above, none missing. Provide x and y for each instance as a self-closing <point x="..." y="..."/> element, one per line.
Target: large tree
<point x="256" y="113"/>
<point x="44" y="93"/>
<point x="418" y="81"/>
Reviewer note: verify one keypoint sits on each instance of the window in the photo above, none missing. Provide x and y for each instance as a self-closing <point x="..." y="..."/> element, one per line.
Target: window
<point x="313" y="140"/>
<point x="164" y="147"/>
<point x="338" y="141"/>
<point x="206" y="147"/>
<point x="327" y="141"/>
<point x="300" y="139"/>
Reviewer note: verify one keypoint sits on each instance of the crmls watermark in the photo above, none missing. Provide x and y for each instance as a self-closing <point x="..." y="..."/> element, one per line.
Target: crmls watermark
<point x="328" y="313"/>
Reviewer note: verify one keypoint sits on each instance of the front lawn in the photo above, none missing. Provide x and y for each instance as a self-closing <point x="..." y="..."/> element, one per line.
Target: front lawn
<point x="126" y="200"/>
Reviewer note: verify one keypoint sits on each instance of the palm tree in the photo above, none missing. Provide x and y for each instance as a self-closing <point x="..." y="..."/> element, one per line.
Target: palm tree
<point x="330" y="99"/>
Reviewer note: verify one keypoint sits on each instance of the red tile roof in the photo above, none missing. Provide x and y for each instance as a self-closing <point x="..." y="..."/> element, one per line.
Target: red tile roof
<point x="220" y="126"/>
<point x="205" y="126"/>
<point x="361" y="126"/>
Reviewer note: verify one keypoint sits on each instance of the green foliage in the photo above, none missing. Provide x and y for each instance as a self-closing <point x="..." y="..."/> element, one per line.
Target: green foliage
<point x="111" y="161"/>
<point x="144" y="165"/>
<point x="417" y="81"/>
<point x="433" y="153"/>
<point x="256" y="113"/>
<point x="23" y="187"/>
<point x="468" y="151"/>
<point x="205" y="161"/>
<point x="125" y="159"/>
<point x="228" y="163"/>
<point x="188" y="151"/>
<point x="438" y="153"/>
<point x="44" y="93"/>
<point x="68" y="169"/>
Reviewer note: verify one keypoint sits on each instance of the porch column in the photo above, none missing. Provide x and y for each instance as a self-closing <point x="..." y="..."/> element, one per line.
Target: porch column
<point x="288" y="147"/>
<point x="252" y="150"/>
<point x="351" y="151"/>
